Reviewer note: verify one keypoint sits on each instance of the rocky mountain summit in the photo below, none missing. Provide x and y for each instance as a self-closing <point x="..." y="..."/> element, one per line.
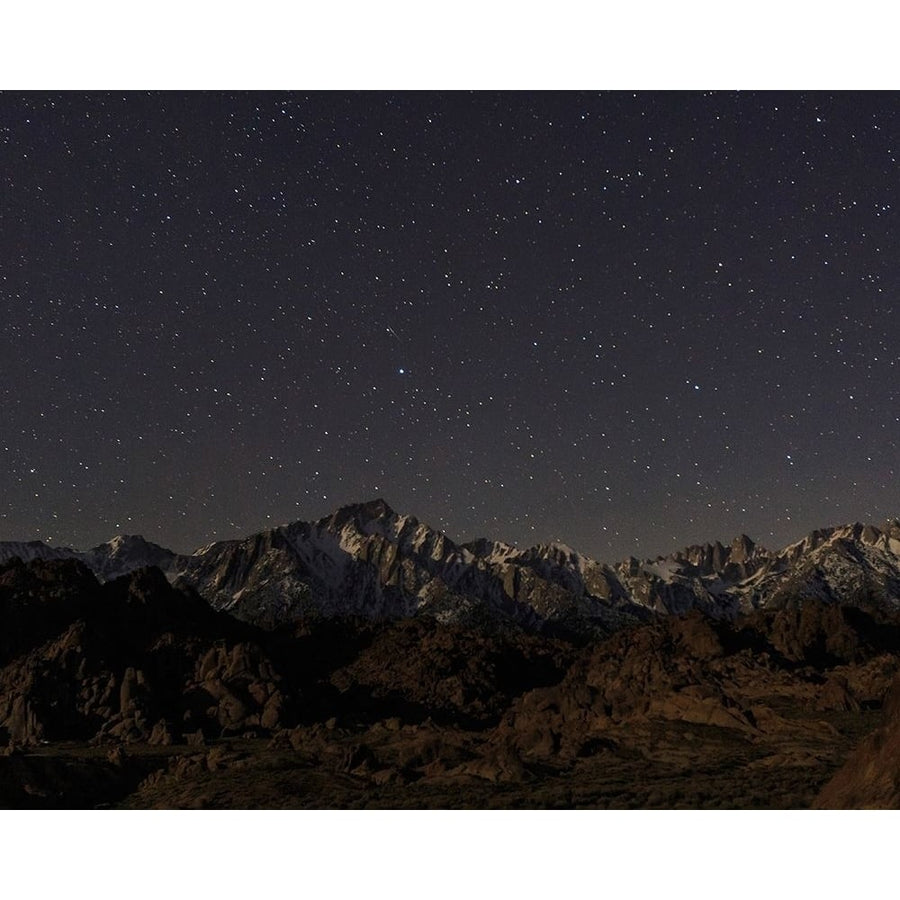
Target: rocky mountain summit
<point x="368" y="560"/>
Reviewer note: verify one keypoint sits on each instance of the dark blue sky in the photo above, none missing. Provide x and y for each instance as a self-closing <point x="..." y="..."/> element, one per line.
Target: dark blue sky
<point x="624" y="321"/>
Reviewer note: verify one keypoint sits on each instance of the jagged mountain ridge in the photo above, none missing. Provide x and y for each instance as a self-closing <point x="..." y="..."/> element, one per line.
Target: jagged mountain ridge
<point x="367" y="560"/>
<point x="119" y="556"/>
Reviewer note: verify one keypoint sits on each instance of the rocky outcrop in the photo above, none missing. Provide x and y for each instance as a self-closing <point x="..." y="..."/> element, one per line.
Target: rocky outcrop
<point x="132" y="660"/>
<point x="695" y="670"/>
<point x="870" y="778"/>
<point x="419" y="668"/>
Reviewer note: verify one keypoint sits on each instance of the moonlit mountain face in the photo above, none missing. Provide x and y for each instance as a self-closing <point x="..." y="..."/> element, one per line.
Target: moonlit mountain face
<point x="368" y="561"/>
<point x="619" y="321"/>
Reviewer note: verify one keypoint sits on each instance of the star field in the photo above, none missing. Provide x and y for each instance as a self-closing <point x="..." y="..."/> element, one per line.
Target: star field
<point x="628" y="322"/>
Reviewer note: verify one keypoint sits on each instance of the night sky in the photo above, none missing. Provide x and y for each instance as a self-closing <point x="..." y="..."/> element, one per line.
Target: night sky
<point x="628" y="322"/>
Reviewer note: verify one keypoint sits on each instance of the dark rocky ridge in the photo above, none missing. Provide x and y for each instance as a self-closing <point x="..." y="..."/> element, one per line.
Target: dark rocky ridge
<point x="870" y="778"/>
<point x="133" y="659"/>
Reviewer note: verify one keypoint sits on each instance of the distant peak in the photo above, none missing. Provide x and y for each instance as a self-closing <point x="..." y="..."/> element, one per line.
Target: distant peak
<point x="557" y="550"/>
<point x="376" y="509"/>
<point x="365" y="512"/>
<point x="742" y="548"/>
<point x="121" y="541"/>
<point x="484" y="547"/>
<point x="560" y="547"/>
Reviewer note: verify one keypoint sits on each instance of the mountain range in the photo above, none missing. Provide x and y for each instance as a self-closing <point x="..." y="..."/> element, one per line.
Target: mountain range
<point x="365" y="659"/>
<point x="368" y="561"/>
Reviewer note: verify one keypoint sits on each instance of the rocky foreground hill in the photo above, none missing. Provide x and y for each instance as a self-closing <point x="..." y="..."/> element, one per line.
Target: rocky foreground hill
<point x="136" y="692"/>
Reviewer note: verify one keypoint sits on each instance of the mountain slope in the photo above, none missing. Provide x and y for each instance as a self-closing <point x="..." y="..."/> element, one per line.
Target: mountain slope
<point x="367" y="560"/>
<point x="119" y="556"/>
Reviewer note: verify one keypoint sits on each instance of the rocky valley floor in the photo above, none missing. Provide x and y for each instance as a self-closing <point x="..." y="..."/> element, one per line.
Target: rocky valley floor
<point x="679" y="766"/>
